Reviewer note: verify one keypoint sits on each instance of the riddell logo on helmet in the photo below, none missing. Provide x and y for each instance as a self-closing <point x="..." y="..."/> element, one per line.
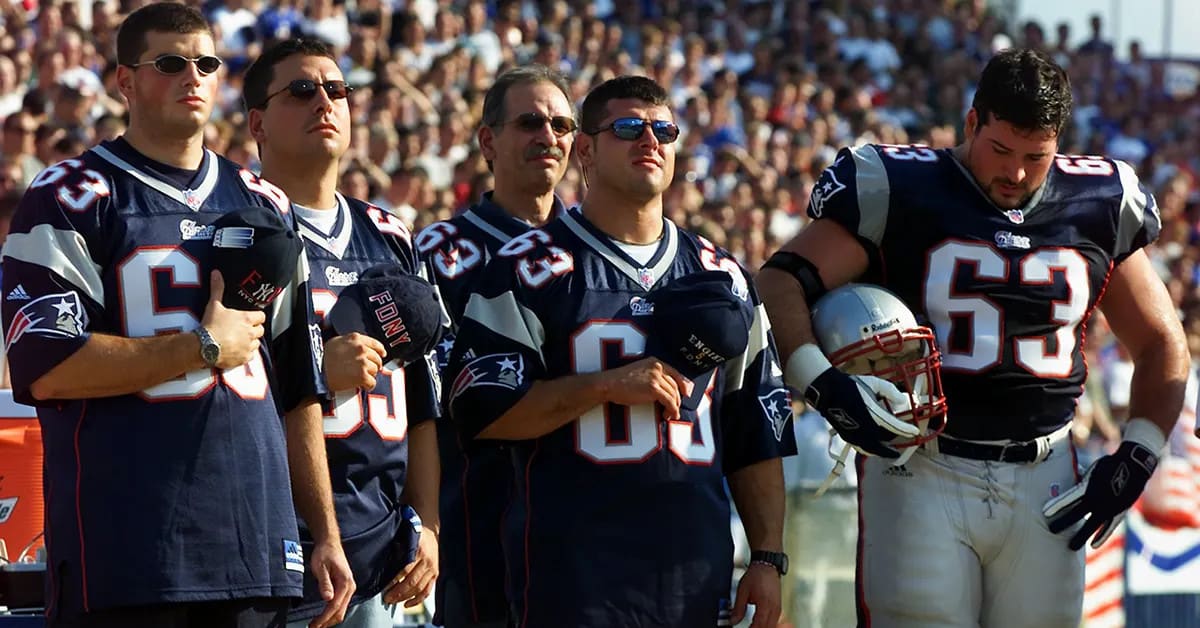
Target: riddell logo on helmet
<point x="874" y="328"/>
<point x="388" y="316"/>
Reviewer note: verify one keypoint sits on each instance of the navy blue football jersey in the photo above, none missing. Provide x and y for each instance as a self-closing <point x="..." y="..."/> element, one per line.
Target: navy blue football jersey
<point x="620" y="518"/>
<point x="476" y="481"/>
<point x="366" y="431"/>
<point x="179" y="492"/>
<point x="1007" y="292"/>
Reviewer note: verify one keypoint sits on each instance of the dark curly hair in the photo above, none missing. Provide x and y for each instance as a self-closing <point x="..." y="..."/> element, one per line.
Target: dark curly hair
<point x="1026" y="89"/>
<point x="159" y="17"/>
<point x="595" y="106"/>
<point x="260" y="73"/>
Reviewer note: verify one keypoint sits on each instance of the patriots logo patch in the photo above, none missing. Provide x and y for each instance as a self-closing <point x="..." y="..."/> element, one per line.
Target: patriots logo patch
<point x="52" y="316"/>
<point x="826" y="187"/>
<point x="640" y="307"/>
<point x="317" y="341"/>
<point x="506" y="370"/>
<point x="777" y="405"/>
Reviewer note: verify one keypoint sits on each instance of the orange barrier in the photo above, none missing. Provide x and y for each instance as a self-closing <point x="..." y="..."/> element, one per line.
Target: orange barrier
<point x="21" y="499"/>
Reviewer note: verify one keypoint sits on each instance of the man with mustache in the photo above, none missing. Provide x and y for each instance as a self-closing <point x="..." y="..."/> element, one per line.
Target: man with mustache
<point x="526" y="135"/>
<point x="379" y="432"/>
<point x="620" y="515"/>
<point x="1004" y="247"/>
<point x="169" y="502"/>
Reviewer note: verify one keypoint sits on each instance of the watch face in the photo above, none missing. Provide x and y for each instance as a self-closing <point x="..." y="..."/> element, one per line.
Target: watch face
<point x="210" y="353"/>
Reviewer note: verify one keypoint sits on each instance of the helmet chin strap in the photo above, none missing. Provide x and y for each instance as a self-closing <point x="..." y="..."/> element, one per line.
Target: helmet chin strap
<point x="839" y="459"/>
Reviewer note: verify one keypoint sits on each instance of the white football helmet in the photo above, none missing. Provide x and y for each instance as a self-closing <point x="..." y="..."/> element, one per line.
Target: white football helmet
<point x="867" y="330"/>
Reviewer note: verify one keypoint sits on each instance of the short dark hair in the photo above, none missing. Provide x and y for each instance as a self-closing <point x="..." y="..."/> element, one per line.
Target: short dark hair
<point x="260" y="73"/>
<point x="494" y="112"/>
<point x="159" y="17"/>
<point x="1025" y="88"/>
<point x="595" y="106"/>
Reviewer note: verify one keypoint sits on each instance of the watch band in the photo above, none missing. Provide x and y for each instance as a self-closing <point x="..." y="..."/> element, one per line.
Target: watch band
<point x="210" y="351"/>
<point x="778" y="560"/>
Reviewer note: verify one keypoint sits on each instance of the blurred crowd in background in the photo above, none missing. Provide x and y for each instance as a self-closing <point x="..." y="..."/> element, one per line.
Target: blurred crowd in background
<point x="765" y="92"/>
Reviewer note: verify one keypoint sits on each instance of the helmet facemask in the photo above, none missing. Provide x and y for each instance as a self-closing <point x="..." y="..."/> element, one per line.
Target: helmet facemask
<point x="908" y="358"/>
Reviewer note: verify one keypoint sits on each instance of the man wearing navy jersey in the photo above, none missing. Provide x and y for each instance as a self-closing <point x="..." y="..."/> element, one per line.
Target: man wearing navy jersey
<point x="379" y="433"/>
<point x="1004" y="248"/>
<point x="620" y="516"/>
<point x="526" y="134"/>
<point x="167" y="467"/>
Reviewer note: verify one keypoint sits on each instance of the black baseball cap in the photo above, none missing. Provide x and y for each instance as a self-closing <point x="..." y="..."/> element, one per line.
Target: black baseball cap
<point x="399" y="309"/>
<point x="257" y="254"/>
<point x="698" y="322"/>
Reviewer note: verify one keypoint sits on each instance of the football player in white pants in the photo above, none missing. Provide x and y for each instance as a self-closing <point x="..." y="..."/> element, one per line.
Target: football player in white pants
<point x="1002" y="247"/>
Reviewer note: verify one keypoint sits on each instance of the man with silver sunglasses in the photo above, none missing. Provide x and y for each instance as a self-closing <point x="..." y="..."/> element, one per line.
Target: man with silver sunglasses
<point x="169" y="496"/>
<point x="526" y="135"/>
<point x="620" y="439"/>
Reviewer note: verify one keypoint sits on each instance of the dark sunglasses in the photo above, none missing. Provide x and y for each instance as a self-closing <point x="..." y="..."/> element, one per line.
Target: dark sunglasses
<point x="304" y="89"/>
<point x="533" y="122"/>
<point x="174" y="64"/>
<point x="630" y="129"/>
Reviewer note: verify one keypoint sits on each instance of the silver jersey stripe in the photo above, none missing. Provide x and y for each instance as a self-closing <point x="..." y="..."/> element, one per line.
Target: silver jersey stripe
<point x="486" y="227"/>
<point x="62" y="251"/>
<point x="1133" y="208"/>
<point x="735" y="371"/>
<point x="503" y="315"/>
<point x="874" y="192"/>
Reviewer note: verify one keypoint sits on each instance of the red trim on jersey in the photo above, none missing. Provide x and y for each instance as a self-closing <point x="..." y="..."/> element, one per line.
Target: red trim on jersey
<point x="860" y="596"/>
<point x="79" y="509"/>
<point x="1083" y="322"/>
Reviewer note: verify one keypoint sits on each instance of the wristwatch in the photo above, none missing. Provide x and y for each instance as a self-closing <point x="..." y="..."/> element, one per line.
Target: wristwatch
<point x="778" y="560"/>
<point x="210" y="351"/>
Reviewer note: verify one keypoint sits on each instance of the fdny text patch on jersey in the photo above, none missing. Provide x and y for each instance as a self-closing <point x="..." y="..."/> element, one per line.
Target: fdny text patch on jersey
<point x="53" y="316"/>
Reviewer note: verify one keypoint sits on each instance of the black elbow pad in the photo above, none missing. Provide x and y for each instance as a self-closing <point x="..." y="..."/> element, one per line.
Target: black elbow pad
<point x="804" y="271"/>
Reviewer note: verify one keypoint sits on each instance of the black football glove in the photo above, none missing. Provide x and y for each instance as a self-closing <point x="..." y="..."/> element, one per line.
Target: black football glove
<point x="851" y="403"/>
<point x="1109" y="488"/>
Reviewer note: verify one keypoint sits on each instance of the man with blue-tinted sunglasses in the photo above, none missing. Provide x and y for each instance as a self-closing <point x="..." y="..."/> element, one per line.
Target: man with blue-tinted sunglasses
<point x="620" y="516"/>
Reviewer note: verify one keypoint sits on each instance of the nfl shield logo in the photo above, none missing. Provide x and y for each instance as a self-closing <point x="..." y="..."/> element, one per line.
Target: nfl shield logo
<point x="645" y="277"/>
<point x="192" y="199"/>
<point x="1015" y="216"/>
